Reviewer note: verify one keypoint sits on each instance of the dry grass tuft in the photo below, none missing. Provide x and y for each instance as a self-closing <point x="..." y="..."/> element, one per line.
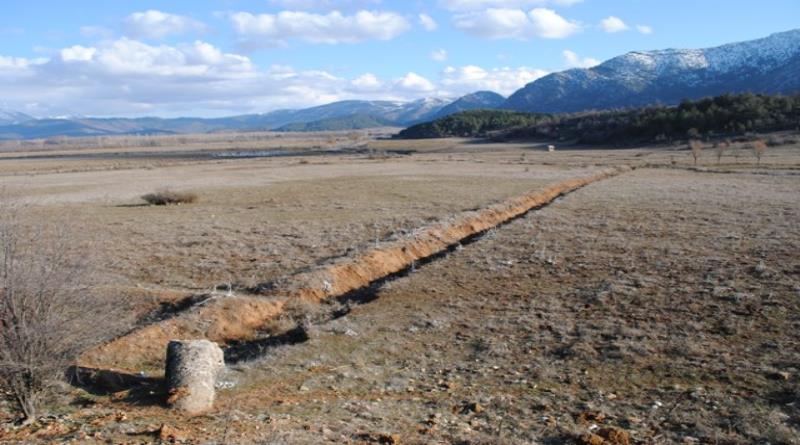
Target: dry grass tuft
<point x="169" y="197"/>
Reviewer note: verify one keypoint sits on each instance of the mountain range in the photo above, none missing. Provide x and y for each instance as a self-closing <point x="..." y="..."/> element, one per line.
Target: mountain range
<point x="769" y="65"/>
<point x="474" y="101"/>
<point x="344" y="115"/>
<point x="11" y="117"/>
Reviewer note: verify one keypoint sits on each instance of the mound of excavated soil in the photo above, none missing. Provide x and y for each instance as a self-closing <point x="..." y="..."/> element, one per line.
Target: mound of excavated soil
<point x="224" y="319"/>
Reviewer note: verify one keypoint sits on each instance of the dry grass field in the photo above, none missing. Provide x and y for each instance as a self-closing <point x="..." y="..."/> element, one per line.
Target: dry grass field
<point x="658" y="306"/>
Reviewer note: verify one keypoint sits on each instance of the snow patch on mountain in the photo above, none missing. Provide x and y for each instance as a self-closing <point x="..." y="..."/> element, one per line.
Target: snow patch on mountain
<point x="644" y="77"/>
<point x="11" y="117"/>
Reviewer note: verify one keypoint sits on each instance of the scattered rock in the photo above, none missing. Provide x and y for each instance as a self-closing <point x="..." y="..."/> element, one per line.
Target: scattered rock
<point x="591" y="439"/>
<point x="720" y="291"/>
<point x="591" y="417"/>
<point x="390" y="439"/>
<point x="381" y="438"/>
<point x="473" y="407"/>
<point x="171" y="434"/>
<point x="615" y="436"/>
<point x="779" y="375"/>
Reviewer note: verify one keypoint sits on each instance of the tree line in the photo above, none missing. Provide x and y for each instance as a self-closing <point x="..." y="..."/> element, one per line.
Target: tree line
<point x="722" y="116"/>
<point x="473" y="123"/>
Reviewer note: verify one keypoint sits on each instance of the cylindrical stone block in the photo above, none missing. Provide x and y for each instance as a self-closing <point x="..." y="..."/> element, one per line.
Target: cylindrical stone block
<point x="192" y="368"/>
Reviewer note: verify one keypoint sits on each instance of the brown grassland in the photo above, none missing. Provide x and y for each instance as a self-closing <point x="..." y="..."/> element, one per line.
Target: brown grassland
<point x="660" y="305"/>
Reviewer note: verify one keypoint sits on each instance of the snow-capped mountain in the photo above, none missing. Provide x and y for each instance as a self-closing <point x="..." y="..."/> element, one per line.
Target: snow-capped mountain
<point x="474" y="101"/>
<point x="770" y="65"/>
<point x="11" y="117"/>
<point x="349" y="114"/>
<point x="400" y="113"/>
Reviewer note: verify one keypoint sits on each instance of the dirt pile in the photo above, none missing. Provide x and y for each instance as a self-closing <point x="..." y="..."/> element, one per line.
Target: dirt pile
<point x="354" y="273"/>
<point x="219" y="319"/>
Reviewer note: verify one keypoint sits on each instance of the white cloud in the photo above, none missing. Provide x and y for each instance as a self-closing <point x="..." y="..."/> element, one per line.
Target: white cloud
<point x="515" y="23"/>
<point x="613" y="24"/>
<point x="367" y="82"/>
<point x="428" y="22"/>
<point x="572" y="60"/>
<point x="331" y="28"/>
<point x="439" y="55"/>
<point x="77" y="53"/>
<point x="153" y="24"/>
<point x="548" y="24"/>
<point x="474" y="5"/>
<point x="126" y="56"/>
<point x="413" y="82"/>
<point x="12" y="64"/>
<point x="471" y="78"/>
<point x="644" y="29"/>
<point x="126" y="77"/>
<point x="129" y="77"/>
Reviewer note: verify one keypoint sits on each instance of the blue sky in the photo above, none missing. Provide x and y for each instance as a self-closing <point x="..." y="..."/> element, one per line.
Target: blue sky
<point x="222" y="57"/>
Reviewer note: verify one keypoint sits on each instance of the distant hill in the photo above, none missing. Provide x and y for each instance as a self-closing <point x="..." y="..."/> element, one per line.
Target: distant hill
<point x="769" y="65"/>
<point x="11" y="117"/>
<point x="351" y="114"/>
<point x="400" y="113"/>
<point x="473" y="123"/>
<point x="351" y="122"/>
<point x="381" y="114"/>
<point x="717" y="117"/>
<point x="480" y="100"/>
<point x="721" y="116"/>
<point x="47" y="128"/>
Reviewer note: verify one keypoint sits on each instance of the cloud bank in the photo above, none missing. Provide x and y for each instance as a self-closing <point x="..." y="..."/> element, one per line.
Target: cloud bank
<point x="129" y="77"/>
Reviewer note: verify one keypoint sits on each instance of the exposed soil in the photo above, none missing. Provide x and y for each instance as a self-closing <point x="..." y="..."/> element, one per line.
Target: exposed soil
<point x="225" y="319"/>
<point x="664" y="304"/>
<point x="659" y="306"/>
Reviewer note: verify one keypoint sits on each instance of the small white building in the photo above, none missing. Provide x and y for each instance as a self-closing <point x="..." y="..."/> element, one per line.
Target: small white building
<point x="551" y="148"/>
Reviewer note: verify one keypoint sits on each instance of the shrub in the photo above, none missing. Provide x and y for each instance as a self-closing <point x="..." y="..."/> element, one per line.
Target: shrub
<point x="169" y="197"/>
<point x="697" y="148"/>
<point x="48" y="314"/>
<point x="759" y="148"/>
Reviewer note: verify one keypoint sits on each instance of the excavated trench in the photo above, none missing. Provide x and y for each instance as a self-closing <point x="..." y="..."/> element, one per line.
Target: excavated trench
<point x="237" y="319"/>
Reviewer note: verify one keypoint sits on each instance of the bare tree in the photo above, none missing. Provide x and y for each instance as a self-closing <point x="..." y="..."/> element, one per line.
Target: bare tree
<point x="48" y="313"/>
<point x="759" y="148"/>
<point x="697" y="148"/>
<point x="721" y="147"/>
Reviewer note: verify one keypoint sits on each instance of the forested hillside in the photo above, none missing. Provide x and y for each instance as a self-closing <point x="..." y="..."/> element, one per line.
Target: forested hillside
<point x="726" y="115"/>
<point x="474" y="123"/>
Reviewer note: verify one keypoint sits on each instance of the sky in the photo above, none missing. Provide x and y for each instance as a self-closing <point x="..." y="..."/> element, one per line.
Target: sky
<point x="226" y="57"/>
